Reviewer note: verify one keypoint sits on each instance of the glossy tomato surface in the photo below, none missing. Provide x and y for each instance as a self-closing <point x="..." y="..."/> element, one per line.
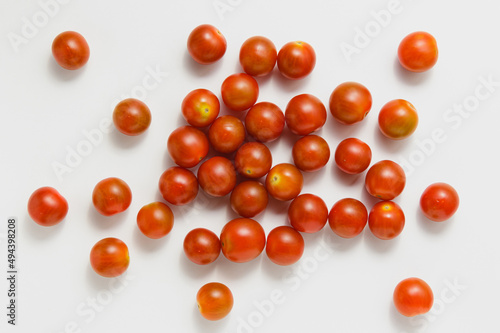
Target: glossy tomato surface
<point x="206" y="44"/>
<point x="131" y="117"/>
<point x="239" y="92"/>
<point x="226" y="134"/>
<point x="284" y="181"/>
<point x="201" y="246"/>
<point x="413" y="297"/>
<point x="217" y="176"/>
<point x="385" y="180"/>
<point x="305" y="114"/>
<point x="285" y="245"/>
<point x="70" y="50"/>
<point x="242" y="240"/>
<point x="253" y="160"/>
<point x="308" y="213"/>
<point x="155" y="220"/>
<point x="398" y="119"/>
<point x="111" y="196"/>
<point x="439" y="202"/>
<point x="418" y="52"/>
<point x="386" y="220"/>
<point x="179" y="186"/>
<point x="47" y="207"/>
<point x="249" y="198"/>
<point x="265" y="122"/>
<point x="353" y="156"/>
<point x="350" y="103"/>
<point x="214" y="301"/>
<point x="109" y="257"/>
<point x="258" y="56"/>
<point x="296" y="60"/>
<point x="348" y="217"/>
<point x="310" y="153"/>
<point x="187" y="146"/>
<point x="200" y="107"/>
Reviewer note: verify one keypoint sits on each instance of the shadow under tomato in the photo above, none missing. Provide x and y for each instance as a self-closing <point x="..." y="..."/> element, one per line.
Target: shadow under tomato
<point x="209" y="326"/>
<point x="96" y="281"/>
<point x="123" y="141"/>
<point x="229" y="270"/>
<point x="64" y="74"/>
<point x="380" y="245"/>
<point x="408" y="77"/>
<point x="390" y="145"/>
<point x="337" y="243"/>
<point x="199" y="69"/>
<point x="345" y="178"/>
<point x="41" y="233"/>
<point x="287" y="85"/>
<point x="400" y="322"/>
<point x="431" y="226"/>
<point x="341" y="131"/>
<point x="105" y="222"/>
<point x="148" y="244"/>
<point x="196" y="271"/>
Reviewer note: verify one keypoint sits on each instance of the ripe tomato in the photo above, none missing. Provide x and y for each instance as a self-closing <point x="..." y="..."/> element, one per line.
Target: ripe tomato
<point x="284" y="181"/>
<point x="258" y="56"/>
<point x="296" y="60"/>
<point x="201" y="246"/>
<point x="418" y="52"/>
<point x="308" y="213"/>
<point x="111" y="196"/>
<point x="47" y="206"/>
<point x="155" y="220"/>
<point x="214" y="300"/>
<point x="348" y="217"/>
<point x="310" y="153"/>
<point x="226" y="134"/>
<point x="398" y="119"/>
<point x="242" y="240"/>
<point x="206" y="44"/>
<point x="132" y="117"/>
<point x="217" y="176"/>
<point x="239" y="91"/>
<point x="200" y="107"/>
<point x="353" y="156"/>
<point x="305" y="114"/>
<point x="386" y="220"/>
<point x="265" y="122"/>
<point x="285" y="245"/>
<point x="70" y="50"/>
<point x="413" y="297"/>
<point x="249" y="198"/>
<point x="350" y="103"/>
<point x="439" y="202"/>
<point x="385" y="180"/>
<point x="253" y="160"/>
<point x="187" y="146"/>
<point x="178" y="186"/>
<point x="109" y="257"/>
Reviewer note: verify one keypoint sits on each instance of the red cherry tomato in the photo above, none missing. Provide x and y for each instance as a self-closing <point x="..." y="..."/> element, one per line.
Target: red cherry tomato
<point x="413" y="297"/>
<point x="47" y="206"/>
<point x="253" y="160"/>
<point x="155" y="220"/>
<point x="418" y="52"/>
<point x="70" y="50"/>
<point x="385" y="180"/>
<point x="348" y="217"/>
<point x="350" y="103"/>
<point x="398" y="119"/>
<point x="285" y="245"/>
<point x="187" y="146"/>
<point x="265" y="122"/>
<point x="296" y="60"/>
<point x="242" y="240"/>
<point x="132" y="117"/>
<point x="439" y="202"/>
<point x="249" y="198"/>
<point x="109" y="257"/>
<point x="201" y="246"/>
<point x="239" y="92"/>
<point x="226" y="134"/>
<point x="217" y="176"/>
<point x="214" y="300"/>
<point x="386" y="220"/>
<point x="206" y="44"/>
<point x="111" y="196"/>
<point x="308" y="213"/>
<point x="178" y="186"/>
<point x="310" y="153"/>
<point x="258" y="56"/>
<point x="284" y="181"/>
<point x="305" y="114"/>
<point x="200" y="107"/>
<point x="353" y="156"/>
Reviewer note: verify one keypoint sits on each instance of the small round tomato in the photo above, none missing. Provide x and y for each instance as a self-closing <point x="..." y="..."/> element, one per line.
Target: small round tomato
<point x="284" y="181"/>
<point x="214" y="300"/>
<point x="200" y="107"/>
<point x="385" y="180"/>
<point x="418" y="52"/>
<point x="131" y="117"/>
<point x="47" y="206"/>
<point x="285" y="245"/>
<point x="155" y="220"/>
<point x="178" y="186"/>
<point x="253" y="160"/>
<point x="265" y="122"/>
<point x="348" y="217"/>
<point x="70" y="50"/>
<point x="308" y="213"/>
<point x="239" y="91"/>
<point x="217" y="176"/>
<point x="109" y="257"/>
<point x="386" y="220"/>
<point x="206" y="44"/>
<point x="249" y="198"/>
<point x="201" y="246"/>
<point x="310" y="153"/>
<point x="305" y="114"/>
<point x="242" y="240"/>
<point x="353" y="156"/>
<point x="398" y="119"/>
<point x="439" y="202"/>
<point x="350" y="103"/>
<point x="258" y="56"/>
<point x="226" y="134"/>
<point x="296" y="60"/>
<point x="111" y="196"/>
<point x="413" y="297"/>
<point x="187" y="146"/>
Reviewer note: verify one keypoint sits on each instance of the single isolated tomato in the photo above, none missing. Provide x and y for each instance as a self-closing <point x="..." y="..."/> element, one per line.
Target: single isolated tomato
<point x="70" y="50"/>
<point x="214" y="300"/>
<point x="350" y="103"/>
<point x="155" y="220"/>
<point x="200" y="107"/>
<point x="201" y="246"/>
<point x="249" y="198"/>
<point x="296" y="60"/>
<point x="353" y="156"/>
<point x="242" y="240"/>
<point x="284" y="181"/>
<point x="109" y="257"/>
<point x="265" y="122"/>
<point x="253" y="160"/>
<point x="308" y="213"/>
<point x="348" y="217"/>
<point x="305" y="114"/>
<point x="386" y="220"/>
<point x="398" y="119"/>
<point x="179" y="186"/>
<point x="413" y="297"/>
<point x="418" y="52"/>
<point x="111" y="196"/>
<point x="217" y="176"/>
<point x="47" y="206"/>
<point x="310" y="153"/>
<point x="206" y="44"/>
<point x="239" y="92"/>
<point x="258" y="56"/>
<point x="226" y="134"/>
<point x="187" y="146"/>
<point x="439" y="202"/>
<point x="385" y="180"/>
<point x="131" y="117"/>
<point x="285" y="245"/>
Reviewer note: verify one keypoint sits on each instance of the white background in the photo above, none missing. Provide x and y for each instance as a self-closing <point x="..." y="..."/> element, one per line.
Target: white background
<point x="339" y="285"/>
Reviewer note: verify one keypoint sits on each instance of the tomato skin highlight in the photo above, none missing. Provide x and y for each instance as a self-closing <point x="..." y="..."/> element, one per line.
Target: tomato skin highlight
<point x="350" y="103"/>
<point x="200" y="107"/>
<point x="285" y="245"/>
<point x="258" y="56"/>
<point x="111" y="196"/>
<point x="353" y="156"/>
<point x="201" y="246"/>
<point x="70" y="50"/>
<point x="131" y="117"/>
<point x="253" y="160"/>
<point x="178" y="186"/>
<point x="47" y="207"/>
<point x="217" y="176"/>
<point x="206" y="44"/>
<point x="155" y="220"/>
<point x="214" y="300"/>
<point x="226" y="134"/>
<point x="305" y="114"/>
<point x="109" y="257"/>
<point x="265" y="122"/>
<point x="296" y="60"/>
<point x="249" y="198"/>
<point x="307" y="213"/>
<point x="310" y="153"/>
<point x="439" y="202"/>
<point x="418" y="52"/>
<point x="413" y="297"/>
<point x="385" y="180"/>
<point x="386" y="220"/>
<point x="348" y="217"/>
<point x="187" y="146"/>
<point x="239" y="92"/>
<point x="284" y="181"/>
<point x="398" y="119"/>
<point x="242" y="240"/>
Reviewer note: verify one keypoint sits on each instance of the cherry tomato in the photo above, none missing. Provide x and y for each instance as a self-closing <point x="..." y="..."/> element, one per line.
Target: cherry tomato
<point x="284" y="181"/>
<point x="132" y="117"/>
<point x="413" y="297"/>
<point x="350" y="103"/>
<point x="285" y="245"/>
<point x="353" y="156"/>
<point x="111" y="196"/>
<point x="155" y="220"/>
<point x="418" y="52"/>
<point x="258" y="56"/>
<point x="239" y="91"/>
<point x="386" y="220"/>
<point x="310" y="153"/>
<point x="398" y="119"/>
<point x="226" y="134"/>
<point x="348" y="217"/>
<point x="249" y="198"/>
<point x="439" y="202"/>
<point x="187" y="146"/>
<point x="109" y="257"/>
<point x="385" y="180"/>
<point x="296" y="60"/>
<point x="305" y="114"/>
<point x="265" y="122"/>
<point x="214" y="300"/>
<point x="47" y="206"/>
<point x="206" y="44"/>
<point x="70" y="50"/>
<point x="201" y="246"/>
<point x="178" y="186"/>
<point x="217" y="176"/>
<point x="253" y="160"/>
<point x="308" y="213"/>
<point x="242" y="240"/>
<point x="200" y="107"/>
